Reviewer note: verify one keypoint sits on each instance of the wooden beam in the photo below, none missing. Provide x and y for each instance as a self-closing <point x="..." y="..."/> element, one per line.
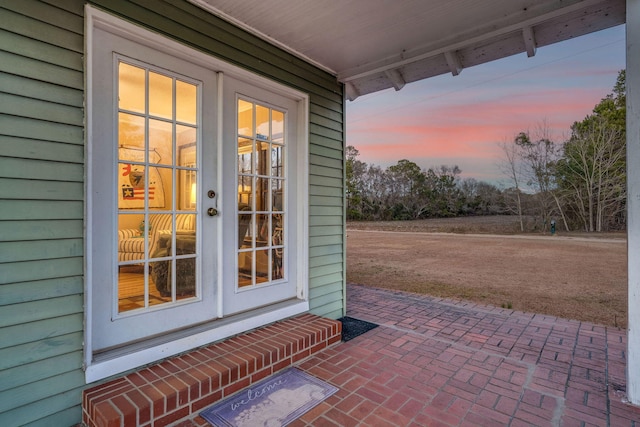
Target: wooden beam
<point x="396" y="78"/>
<point x="529" y="41"/>
<point x="453" y="61"/>
<point x="352" y="92"/>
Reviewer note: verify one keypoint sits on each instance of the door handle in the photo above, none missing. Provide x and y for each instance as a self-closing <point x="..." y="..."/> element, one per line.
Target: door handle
<point x="212" y="211"/>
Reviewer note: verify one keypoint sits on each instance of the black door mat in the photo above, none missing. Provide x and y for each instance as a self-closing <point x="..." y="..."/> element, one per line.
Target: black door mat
<point x="352" y="328"/>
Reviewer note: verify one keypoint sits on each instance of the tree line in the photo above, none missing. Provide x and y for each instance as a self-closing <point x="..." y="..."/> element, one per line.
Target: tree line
<point x="580" y="183"/>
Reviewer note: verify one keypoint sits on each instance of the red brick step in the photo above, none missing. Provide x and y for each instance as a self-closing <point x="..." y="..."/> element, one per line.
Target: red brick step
<point x="178" y="388"/>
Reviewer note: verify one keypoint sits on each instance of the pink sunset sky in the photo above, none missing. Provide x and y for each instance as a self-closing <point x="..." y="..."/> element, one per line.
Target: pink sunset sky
<point x="461" y="120"/>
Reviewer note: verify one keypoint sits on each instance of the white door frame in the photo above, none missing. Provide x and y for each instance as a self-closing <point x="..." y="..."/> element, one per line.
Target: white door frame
<point x="123" y="359"/>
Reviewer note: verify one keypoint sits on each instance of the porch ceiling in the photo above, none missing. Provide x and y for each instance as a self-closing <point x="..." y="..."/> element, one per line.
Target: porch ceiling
<point x="372" y="45"/>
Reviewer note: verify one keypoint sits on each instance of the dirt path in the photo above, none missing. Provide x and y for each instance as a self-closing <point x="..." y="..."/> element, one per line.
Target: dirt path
<point x="573" y="277"/>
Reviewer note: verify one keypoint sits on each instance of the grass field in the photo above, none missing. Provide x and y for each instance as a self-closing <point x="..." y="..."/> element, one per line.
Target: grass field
<point x="484" y="259"/>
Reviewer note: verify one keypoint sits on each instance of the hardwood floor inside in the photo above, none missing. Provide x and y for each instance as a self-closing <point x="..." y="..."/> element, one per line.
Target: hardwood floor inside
<point x="131" y="289"/>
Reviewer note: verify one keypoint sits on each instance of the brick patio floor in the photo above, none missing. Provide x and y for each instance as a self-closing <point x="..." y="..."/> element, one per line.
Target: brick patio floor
<point x="435" y="362"/>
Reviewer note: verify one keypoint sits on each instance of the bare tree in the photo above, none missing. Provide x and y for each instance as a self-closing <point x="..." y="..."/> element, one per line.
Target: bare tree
<point x="593" y="171"/>
<point x="512" y="168"/>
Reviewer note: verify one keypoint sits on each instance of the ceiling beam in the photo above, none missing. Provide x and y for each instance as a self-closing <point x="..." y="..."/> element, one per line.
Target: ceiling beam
<point x="352" y="92"/>
<point x="396" y="79"/>
<point x="529" y="41"/>
<point x="453" y="61"/>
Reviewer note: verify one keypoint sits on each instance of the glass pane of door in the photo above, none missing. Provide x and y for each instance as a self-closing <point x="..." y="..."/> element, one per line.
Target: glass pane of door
<point x="261" y="189"/>
<point x="157" y="187"/>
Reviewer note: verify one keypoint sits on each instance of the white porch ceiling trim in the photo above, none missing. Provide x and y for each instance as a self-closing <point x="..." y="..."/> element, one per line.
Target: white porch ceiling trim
<point x="371" y="45"/>
<point x="217" y="12"/>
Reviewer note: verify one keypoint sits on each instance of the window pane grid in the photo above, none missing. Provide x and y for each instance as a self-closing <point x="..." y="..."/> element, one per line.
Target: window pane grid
<point x="261" y="149"/>
<point x="157" y="179"/>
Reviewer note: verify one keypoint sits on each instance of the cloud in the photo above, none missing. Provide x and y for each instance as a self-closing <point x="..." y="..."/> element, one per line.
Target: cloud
<point x="462" y="119"/>
<point x="465" y="124"/>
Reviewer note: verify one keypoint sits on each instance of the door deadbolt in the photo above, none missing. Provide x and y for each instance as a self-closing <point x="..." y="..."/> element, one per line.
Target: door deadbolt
<point x="212" y="211"/>
<point x="211" y="194"/>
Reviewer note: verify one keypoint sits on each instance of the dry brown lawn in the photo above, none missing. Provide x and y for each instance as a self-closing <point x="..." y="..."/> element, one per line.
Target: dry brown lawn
<point x="577" y="276"/>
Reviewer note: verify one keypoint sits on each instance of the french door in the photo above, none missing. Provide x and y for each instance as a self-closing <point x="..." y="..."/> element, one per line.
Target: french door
<point x="260" y="149"/>
<point x="154" y="152"/>
<point x="195" y="194"/>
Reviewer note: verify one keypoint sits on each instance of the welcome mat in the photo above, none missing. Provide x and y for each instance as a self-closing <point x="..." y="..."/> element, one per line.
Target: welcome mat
<point x="273" y="402"/>
<point x="352" y="328"/>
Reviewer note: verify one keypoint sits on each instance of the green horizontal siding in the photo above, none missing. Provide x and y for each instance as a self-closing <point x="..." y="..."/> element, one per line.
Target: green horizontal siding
<point x="20" y="189"/>
<point x="25" y="46"/>
<point x="330" y="153"/>
<point x="47" y="412"/>
<point x="25" y="148"/>
<point x="30" y="210"/>
<point x="37" y="230"/>
<point x="42" y="185"/>
<point x="326" y="240"/>
<point x="31" y="19"/>
<point x="40" y="249"/>
<point x="23" y="333"/>
<point x="15" y="105"/>
<point x="325" y="190"/>
<point x="325" y="231"/>
<point x="41" y="170"/>
<point x="15" y="293"/>
<point x="324" y="282"/>
<point x="40" y="71"/>
<point x="37" y="371"/>
<point x="41" y="213"/>
<point x="34" y="89"/>
<point x="23" y="354"/>
<point x="315" y="272"/>
<point x="326" y="201"/>
<point x="41" y="270"/>
<point x="25" y="127"/>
